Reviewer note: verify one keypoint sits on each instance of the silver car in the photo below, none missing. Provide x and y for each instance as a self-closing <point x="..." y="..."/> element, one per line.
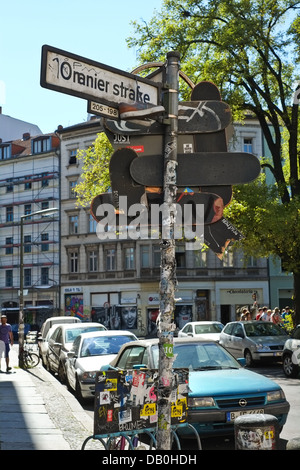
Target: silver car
<point x="90" y="351"/>
<point x="254" y="340"/>
<point x="60" y="342"/>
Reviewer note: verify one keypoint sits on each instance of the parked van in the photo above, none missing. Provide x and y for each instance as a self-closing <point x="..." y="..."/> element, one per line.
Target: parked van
<point x="54" y="321"/>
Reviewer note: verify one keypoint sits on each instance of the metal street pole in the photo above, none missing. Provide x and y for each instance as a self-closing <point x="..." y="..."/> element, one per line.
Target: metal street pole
<point x="168" y="280"/>
<point x="21" y="300"/>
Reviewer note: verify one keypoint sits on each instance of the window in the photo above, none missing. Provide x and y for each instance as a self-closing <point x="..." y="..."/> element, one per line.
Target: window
<point x="5" y="152"/>
<point x="27" y="184"/>
<point x="9" y="214"/>
<point x="44" y="238"/>
<point x="248" y="145"/>
<point x="129" y="258"/>
<point x="93" y="261"/>
<point x="42" y="144"/>
<point x="45" y="180"/>
<point x="27" y="243"/>
<point x="252" y="262"/>
<point x="145" y="256"/>
<point x="73" y="224"/>
<point x="27" y="210"/>
<point x="156" y="256"/>
<point x="9" y="249"/>
<point x="9" y="278"/>
<point x="110" y="259"/>
<point x="72" y="185"/>
<point x="180" y="256"/>
<point x="200" y="259"/>
<point x="73" y="262"/>
<point x="10" y="186"/>
<point x="92" y="224"/>
<point x="44" y="276"/>
<point x="45" y="205"/>
<point x="27" y="277"/>
<point x="72" y="157"/>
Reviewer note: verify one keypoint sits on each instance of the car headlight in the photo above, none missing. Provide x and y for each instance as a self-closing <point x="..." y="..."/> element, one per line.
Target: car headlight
<point x="276" y="395"/>
<point x="91" y="375"/>
<point x="201" y="402"/>
<point x="262" y="347"/>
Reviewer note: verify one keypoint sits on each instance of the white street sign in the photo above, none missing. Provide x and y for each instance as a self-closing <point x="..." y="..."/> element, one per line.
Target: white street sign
<point x="74" y="75"/>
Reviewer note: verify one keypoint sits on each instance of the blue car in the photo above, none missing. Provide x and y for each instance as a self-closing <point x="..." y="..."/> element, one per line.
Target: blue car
<point x="220" y="389"/>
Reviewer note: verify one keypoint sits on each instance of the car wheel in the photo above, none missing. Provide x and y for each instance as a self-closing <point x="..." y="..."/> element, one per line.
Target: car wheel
<point x="61" y="373"/>
<point x="78" y="391"/>
<point x="249" y="359"/>
<point x="289" y="368"/>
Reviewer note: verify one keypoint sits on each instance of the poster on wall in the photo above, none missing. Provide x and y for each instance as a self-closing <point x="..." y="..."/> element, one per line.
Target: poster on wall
<point x="74" y="305"/>
<point x="116" y="317"/>
<point x="127" y="400"/>
<point x="183" y="314"/>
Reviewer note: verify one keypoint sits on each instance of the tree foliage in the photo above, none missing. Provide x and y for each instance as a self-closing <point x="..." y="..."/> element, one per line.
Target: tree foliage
<point x="95" y="170"/>
<point x="250" y="49"/>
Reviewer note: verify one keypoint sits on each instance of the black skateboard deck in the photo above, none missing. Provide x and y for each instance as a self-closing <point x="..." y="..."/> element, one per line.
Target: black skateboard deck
<point x="198" y="169"/>
<point x="213" y="204"/>
<point x="213" y="142"/>
<point x="122" y="183"/>
<point x="204" y="116"/>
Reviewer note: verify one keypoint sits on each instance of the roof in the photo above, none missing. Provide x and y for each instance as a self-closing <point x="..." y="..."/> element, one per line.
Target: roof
<point x="12" y="129"/>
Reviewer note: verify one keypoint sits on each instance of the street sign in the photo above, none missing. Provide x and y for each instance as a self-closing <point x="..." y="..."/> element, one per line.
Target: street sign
<point x="74" y="75"/>
<point x="101" y="109"/>
<point x="198" y="169"/>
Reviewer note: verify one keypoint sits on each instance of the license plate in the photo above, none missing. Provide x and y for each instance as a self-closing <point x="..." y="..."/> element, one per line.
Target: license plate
<point x="232" y="415"/>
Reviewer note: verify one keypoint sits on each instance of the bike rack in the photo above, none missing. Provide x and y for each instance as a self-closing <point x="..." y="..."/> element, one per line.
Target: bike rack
<point x="131" y="435"/>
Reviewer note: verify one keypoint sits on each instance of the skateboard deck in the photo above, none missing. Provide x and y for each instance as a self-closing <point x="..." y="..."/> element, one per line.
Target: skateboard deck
<point x="205" y="116"/>
<point x="198" y="169"/>
<point x="122" y="183"/>
<point x="214" y="142"/>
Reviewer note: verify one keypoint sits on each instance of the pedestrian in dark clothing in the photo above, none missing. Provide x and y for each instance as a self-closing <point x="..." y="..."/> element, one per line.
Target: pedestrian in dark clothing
<point x="6" y="338"/>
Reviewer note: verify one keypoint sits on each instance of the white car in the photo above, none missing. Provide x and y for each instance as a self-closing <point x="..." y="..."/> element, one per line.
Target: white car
<point x="90" y="351"/>
<point x="206" y="329"/>
<point x="61" y="341"/>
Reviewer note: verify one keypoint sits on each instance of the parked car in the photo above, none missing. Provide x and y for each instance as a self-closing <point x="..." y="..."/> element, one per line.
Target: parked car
<point x="43" y="346"/>
<point x="89" y="352"/>
<point x="207" y="329"/>
<point x="55" y="321"/>
<point x="43" y="335"/>
<point x="291" y="354"/>
<point x="60" y="342"/>
<point x="220" y="389"/>
<point x="254" y="340"/>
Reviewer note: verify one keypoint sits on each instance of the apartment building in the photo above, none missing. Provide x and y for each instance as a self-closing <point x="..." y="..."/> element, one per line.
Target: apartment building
<point x="29" y="184"/>
<point x="117" y="281"/>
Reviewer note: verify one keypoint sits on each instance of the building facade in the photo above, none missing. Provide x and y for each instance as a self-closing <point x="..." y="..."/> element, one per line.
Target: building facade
<point x="29" y="184"/>
<point x="117" y="281"/>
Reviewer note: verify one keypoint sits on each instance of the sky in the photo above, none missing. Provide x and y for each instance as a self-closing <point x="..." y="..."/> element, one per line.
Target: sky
<point x="93" y="29"/>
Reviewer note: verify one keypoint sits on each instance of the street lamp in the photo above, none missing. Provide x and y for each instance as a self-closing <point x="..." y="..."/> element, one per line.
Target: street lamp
<point x="21" y="301"/>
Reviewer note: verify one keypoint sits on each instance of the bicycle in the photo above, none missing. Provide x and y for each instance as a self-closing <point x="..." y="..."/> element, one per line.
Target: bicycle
<point x="30" y="359"/>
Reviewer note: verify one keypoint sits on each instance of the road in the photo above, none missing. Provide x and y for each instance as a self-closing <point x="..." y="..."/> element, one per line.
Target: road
<point x="291" y="388"/>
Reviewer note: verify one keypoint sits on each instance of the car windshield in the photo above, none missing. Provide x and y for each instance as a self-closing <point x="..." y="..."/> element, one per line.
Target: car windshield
<point x="209" y="328"/>
<point x="98" y="346"/>
<point x="263" y="329"/>
<point x="200" y="356"/>
<point x="72" y="333"/>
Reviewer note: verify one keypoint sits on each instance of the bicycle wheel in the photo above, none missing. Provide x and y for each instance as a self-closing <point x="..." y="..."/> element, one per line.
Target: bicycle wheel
<point x="31" y="360"/>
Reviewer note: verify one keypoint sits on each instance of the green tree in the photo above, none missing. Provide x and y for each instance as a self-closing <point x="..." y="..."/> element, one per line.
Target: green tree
<point x="95" y="170"/>
<point x="250" y="49"/>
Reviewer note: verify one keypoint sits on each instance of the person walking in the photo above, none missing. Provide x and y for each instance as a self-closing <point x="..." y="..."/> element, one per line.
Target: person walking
<point x="6" y="337"/>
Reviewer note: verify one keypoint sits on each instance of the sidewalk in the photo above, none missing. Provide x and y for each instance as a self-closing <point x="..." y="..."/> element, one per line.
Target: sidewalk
<point x="37" y="412"/>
